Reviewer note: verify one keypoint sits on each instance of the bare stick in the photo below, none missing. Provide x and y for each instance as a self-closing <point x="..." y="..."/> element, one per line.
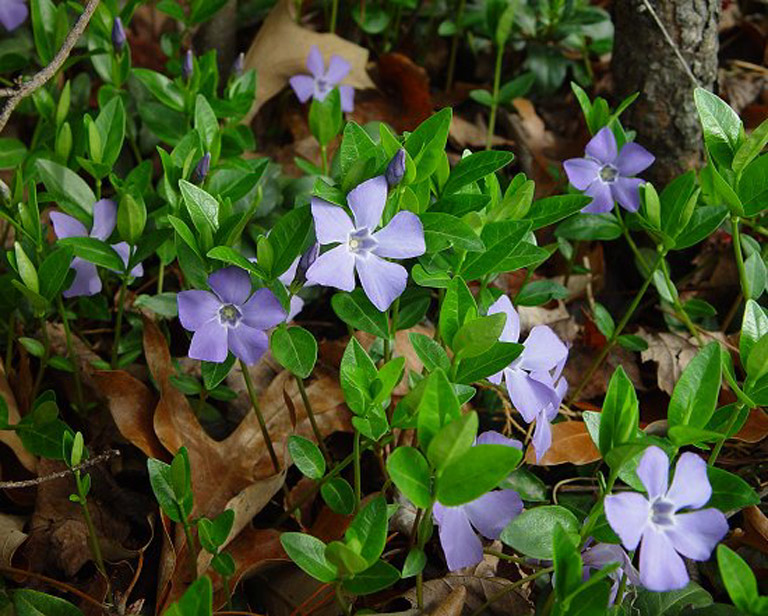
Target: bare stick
<point x="28" y="483"/>
<point x="16" y="94"/>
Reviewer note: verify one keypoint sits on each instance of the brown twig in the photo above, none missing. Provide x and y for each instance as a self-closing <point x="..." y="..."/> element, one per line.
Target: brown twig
<point x="54" y="583"/>
<point x="28" y="483"/>
<point x="16" y="94"/>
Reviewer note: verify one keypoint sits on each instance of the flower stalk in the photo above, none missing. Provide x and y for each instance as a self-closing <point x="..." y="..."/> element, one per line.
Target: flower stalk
<point x="256" y="409"/>
<point x="495" y="101"/>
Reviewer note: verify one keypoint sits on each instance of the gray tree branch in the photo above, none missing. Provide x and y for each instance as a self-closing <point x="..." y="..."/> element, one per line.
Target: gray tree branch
<point x="16" y="94"/>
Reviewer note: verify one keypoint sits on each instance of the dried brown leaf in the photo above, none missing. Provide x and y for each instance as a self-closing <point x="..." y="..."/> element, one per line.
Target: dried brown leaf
<point x="12" y="536"/>
<point x="571" y="444"/>
<point x="9" y="437"/>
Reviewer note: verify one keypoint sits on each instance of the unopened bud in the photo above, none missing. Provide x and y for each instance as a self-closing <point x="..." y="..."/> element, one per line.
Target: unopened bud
<point x="396" y="169"/>
<point x="238" y="65"/>
<point x="118" y="35"/>
<point x="201" y="170"/>
<point x="187" y="65"/>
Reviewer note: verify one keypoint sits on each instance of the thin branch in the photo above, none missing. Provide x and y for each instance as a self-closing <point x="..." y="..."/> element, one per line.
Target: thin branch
<point x="52" y="582"/>
<point x="28" y="483"/>
<point x="671" y="43"/>
<point x="16" y="94"/>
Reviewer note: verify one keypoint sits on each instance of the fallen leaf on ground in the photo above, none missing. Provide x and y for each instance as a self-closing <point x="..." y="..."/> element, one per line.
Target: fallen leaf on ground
<point x="466" y="134"/>
<point x="453" y="604"/>
<point x="571" y="444"/>
<point x="280" y="51"/>
<point x="478" y="591"/>
<point x="755" y="429"/>
<point x="12" y="536"/>
<point x="9" y="437"/>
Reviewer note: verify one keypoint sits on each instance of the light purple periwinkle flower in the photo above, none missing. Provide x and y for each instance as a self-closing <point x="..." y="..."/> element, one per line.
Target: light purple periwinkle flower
<point x="362" y="248"/>
<point x="323" y="81"/>
<point x="657" y="522"/>
<point x="13" y="13"/>
<point x="87" y="281"/>
<point x="601" y="554"/>
<point x="118" y="35"/>
<point x="533" y="379"/>
<point x="229" y="317"/>
<point x="606" y="174"/>
<point x="488" y="514"/>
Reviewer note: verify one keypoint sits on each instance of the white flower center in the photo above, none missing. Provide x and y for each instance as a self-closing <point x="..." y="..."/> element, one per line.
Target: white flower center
<point x="229" y="315"/>
<point x="322" y="87"/>
<point x="608" y="174"/>
<point x="361" y="242"/>
<point x="663" y="513"/>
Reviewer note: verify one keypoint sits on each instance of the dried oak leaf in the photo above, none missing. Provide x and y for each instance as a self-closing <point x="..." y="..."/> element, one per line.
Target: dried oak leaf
<point x="571" y="444"/>
<point x="12" y="536"/>
<point x="280" y="51"/>
<point x="755" y="429"/>
<point x="9" y="437"/>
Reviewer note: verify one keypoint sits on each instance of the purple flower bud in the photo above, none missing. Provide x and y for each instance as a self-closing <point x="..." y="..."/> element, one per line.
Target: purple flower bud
<point x="396" y="169"/>
<point x="118" y="35"/>
<point x="307" y="259"/>
<point x="237" y="65"/>
<point x="187" y="65"/>
<point x="201" y="170"/>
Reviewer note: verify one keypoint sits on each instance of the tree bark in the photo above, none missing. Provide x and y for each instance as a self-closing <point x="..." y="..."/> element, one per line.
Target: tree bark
<point x="664" y="115"/>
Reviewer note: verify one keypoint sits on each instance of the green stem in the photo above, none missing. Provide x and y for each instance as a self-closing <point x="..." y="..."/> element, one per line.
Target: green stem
<point x="262" y="424"/>
<point x="358" y="478"/>
<point x="160" y="278"/>
<point x="334" y="15"/>
<point x="346" y="608"/>
<point x="739" y="256"/>
<point x="507" y="589"/>
<point x="72" y="355"/>
<point x="43" y="359"/>
<point x="719" y="446"/>
<point x="191" y="549"/>
<point x="92" y="537"/>
<point x="119" y="323"/>
<point x="619" y="328"/>
<point x="98" y="188"/>
<point x="312" y="419"/>
<point x="495" y="101"/>
<point x="324" y="156"/>
<point x="455" y="45"/>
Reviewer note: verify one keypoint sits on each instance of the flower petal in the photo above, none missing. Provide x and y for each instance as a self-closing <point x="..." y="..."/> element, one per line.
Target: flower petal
<point x="367" y="201"/>
<point x="690" y="486"/>
<point x="491" y="437"/>
<point x="338" y="68"/>
<point x="529" y="396"/>
<point x="104" y="219"/>
<point x="303" y="86"/>
<point x="402" y="238"/>
<point x="602" y="199"/>
<point x="696" y="534"/>
<point x="633" y="159"/>
<point x="124" y="250"/>
<point x="511" y="331"/>
<point x="335" y="268"/>
<point x="627" y="192"/>
<point x="383" y="281"/>
<point x="627" y="514"/>
<point x="196" y="308"/>
<point x="86" y="281"/>
<point x="65" y="226"/>
<point x="263" y="310"/>
<point x="581" y="172"/>
<point x="347" y="94"/>
<point x="653" y="471"/>
<point x="12" y="14"/>
<point x="288" y="275"/>
<point x="543" y="350"/>
<point x="209" y="343"/>
<point x="332" y="223"/>
<point x="542" y="435"/>
<point x="297" y="305"/>
<point x="231" y="284"/>
<point x="247" y="343"/>
<point x="461" y="545"/>
<point x="490" y="513"/>
<point x="315" y="62"/>
<point x="661" y="568"/>
<point x="602" y="147"/>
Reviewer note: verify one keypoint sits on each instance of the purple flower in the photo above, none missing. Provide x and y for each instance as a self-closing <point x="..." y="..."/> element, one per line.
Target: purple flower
<point x="666" y="533"/>
<point x="322" y="81"/>
<point x="488" y="514"/>
<point x="12" y="13"/>
<point x="187" y="65"/>
<point x="118" y="35"/>
<point x="602" y="554"/>
<point x="361" y="247"/>
<point x="229" y="318"/>
<point x="605" y="174"/>
<point x="87" y="281"/>
<point x="533" y="379"/>
<point x="396" y="169"/>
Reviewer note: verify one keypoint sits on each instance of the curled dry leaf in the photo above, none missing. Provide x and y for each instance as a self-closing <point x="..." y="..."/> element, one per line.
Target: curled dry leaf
<point x="571" y="444"/>
<point x="453" y="604"/>
<point x="9" y="437"/>
<point x="12" y="536"/>
<point x="280" y="51"/>
<point x="755" y="429"/>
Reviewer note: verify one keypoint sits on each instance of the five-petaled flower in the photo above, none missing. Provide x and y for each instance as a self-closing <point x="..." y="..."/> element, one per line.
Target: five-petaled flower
<point x="533" y="379"/>
<point x="657" y="522"/>
<point x="323" y="81"/>
<point x="488" y="514"/>
<point x="605" y="173"/>
<point x="229" y="317"/>
<point x="87" y="281"/>
<point x="362" y="248"/>
<point x="13" y="13"/>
